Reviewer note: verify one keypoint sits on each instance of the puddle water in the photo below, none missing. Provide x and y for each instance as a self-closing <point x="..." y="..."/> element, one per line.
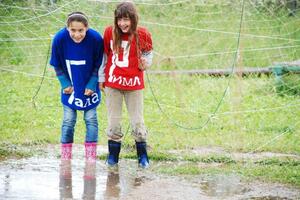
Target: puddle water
<point x="222" y="185"/>
<point x="46" y="177"/>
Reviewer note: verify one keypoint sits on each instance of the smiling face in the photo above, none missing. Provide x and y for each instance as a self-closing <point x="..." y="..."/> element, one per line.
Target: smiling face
<point x="126" y="18"/>
<point x="124" y="23"/>
<point x="77" y="31"/>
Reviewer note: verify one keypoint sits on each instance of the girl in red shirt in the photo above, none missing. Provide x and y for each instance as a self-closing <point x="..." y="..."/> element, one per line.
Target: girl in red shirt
<point x="127" y="53"/>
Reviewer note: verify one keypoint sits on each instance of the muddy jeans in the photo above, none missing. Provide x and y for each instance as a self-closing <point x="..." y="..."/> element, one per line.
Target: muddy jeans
<point x="134" y="103"/>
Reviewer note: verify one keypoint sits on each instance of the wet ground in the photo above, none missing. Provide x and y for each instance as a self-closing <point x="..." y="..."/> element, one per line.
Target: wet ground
<point x="46" y="177"/>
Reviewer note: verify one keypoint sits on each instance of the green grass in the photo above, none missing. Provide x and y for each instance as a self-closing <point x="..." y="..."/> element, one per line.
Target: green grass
<point x="252" y="117"/>
<point x="13" y="151"/>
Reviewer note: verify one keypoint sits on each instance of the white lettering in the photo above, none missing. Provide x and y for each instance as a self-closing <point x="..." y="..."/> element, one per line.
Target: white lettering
<point x="71" y="98"/>
<point x="87" y="103"/>
<point x="126" y="81"/>
<point x="77" y="62"/>
<point x="129" y="83"/>
<point x="136" y="81"/>
<point x="125" y="54"/>
<point x="95" y="98"/>
<point x="69" y="64"/>
<point x="78" y="102"/>
<point x="115" y="79"/>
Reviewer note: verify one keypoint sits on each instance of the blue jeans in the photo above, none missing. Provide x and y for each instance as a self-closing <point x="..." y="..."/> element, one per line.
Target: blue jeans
<point x="69" y="121"/>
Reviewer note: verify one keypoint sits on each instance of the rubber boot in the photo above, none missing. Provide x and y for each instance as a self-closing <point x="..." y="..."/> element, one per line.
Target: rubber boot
<point x="141" y="148"/>
<point x="114" y="150"/>
<point x="66" y="151"/>
<point x="90" y="151"/>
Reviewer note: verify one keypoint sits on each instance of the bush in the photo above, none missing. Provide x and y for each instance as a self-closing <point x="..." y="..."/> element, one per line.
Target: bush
<point x="289" y="84"/>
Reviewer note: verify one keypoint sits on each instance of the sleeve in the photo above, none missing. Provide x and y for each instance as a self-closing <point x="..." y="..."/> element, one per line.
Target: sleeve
<point x="107" y="37"/>
<point x="101" y="74"/>
<point x="146" y="41"/>
<point x="106" y="43"/>
<point x="98" y="56"/>
<point x="146" y="46"/>
<point x="149" y="57"/>
<point x="55" y="62"/>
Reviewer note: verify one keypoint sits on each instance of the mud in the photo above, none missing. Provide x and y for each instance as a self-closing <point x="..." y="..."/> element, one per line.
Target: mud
<point x="46" y="177"/>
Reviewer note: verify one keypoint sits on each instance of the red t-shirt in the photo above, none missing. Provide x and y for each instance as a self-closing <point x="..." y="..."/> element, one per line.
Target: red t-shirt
<point x="121" y="70"/>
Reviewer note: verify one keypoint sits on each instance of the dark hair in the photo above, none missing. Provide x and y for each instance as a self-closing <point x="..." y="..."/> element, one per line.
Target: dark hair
<point x="78" y="17"/>
<point x="124" y="9"/>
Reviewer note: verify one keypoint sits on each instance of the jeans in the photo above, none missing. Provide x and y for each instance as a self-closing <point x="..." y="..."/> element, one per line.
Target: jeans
<point x="69" y="121"/>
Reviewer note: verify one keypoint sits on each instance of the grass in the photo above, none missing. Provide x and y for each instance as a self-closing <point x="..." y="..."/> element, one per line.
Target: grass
<point x="8" y="150"/>
<point x="274" y="173"/>
<point x="251" y="116"/>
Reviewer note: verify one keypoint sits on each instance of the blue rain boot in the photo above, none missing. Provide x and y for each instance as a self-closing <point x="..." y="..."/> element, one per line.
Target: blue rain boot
<point x="114" y="150"/>
<point x="141" y="148"/>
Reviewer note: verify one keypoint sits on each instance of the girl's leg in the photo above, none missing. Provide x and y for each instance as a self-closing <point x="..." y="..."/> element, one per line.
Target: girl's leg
<point x="67" y="132"/>
<point x="91" y="123"/>
<point x="114" y="100"/>
<point x="134" y="103"/>
<point x="135" y="106"/>
<point x="91" y="137"/>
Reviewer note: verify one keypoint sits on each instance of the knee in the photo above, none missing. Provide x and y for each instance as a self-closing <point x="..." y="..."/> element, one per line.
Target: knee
<point x="139" y="132"/>
<point x="91" y="119"/>
<point x="69" y="121"/>
<point x="115" y="133"/>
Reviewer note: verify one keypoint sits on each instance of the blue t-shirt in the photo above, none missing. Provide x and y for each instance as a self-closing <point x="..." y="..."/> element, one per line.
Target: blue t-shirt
<point x="79" y="64"/>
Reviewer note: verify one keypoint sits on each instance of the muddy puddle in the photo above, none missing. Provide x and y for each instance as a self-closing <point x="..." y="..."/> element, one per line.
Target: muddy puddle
<point x="46" y="177"/>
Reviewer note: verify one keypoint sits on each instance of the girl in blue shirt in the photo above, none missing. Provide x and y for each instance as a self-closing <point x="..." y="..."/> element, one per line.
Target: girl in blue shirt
<point x="76" y="56"/>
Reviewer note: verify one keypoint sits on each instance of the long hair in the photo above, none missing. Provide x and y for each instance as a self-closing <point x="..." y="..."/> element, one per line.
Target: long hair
<point x="128" y="10"/>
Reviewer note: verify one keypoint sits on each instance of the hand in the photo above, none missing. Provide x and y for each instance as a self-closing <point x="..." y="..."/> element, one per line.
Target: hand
<point x="88" y="92"/>
<point x="68" y="90"/>
<point x="143" y="64"/>
<point x="101" y="86"/>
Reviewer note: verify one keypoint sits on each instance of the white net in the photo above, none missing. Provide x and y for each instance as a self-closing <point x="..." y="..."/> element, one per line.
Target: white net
<point x="190" y="38"/>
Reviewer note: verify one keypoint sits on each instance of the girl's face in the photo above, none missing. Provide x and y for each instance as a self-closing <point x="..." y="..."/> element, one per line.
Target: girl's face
<point x="124" y="24"/>
<point x="77" y="31"/>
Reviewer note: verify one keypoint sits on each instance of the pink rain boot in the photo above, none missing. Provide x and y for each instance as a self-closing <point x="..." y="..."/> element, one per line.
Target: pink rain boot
<point x="66" y="151"/>
<point x="90" y="151"/>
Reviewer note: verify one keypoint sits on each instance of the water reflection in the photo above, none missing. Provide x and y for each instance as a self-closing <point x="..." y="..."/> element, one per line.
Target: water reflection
<point x="138" y="181"/>
<point x="89" y="186"/>
<point x="33" y="178"/>
<point x="223" y="186"/>
<point x="65" y="180"/>
<point x="112" y="184"/>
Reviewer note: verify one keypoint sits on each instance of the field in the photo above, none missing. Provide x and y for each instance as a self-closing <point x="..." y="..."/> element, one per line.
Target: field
<point x="184" y="113"/>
